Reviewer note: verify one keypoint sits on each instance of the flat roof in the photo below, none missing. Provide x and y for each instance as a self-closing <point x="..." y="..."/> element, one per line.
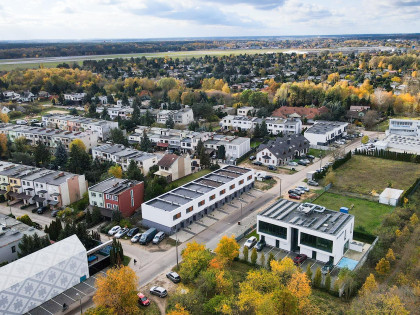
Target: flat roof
<point x="197" y="188"/>
<point x="15" y="230"/>
<point x="322" y="127"/>
<point x="113" y="185"/>
<point x="310" y="216"/>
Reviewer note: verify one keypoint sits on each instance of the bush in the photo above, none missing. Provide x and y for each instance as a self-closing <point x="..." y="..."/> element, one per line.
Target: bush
<point x="15" y="114"/>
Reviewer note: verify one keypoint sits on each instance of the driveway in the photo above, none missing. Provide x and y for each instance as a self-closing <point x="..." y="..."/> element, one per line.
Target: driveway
<point x="42" y="219"/>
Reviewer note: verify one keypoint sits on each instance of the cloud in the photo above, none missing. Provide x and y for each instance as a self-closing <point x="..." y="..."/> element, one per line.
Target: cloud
<point x="258" y="4"/>
<point x="68" y="10"/>
<point x="407" y="3"/>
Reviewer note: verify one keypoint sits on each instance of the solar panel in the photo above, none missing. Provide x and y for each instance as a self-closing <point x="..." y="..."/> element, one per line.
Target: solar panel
<point x="294" y="220"/>
<point x="273" y="208"/>
<point x="307" y="224"/>
<point x="335" y="217"/>
<point x="284" y="214"/>
<point x="300" y="222"/>
<point x="338" y="224"/>
<point x="323" y="220"/>
<point x="279" y="211"/>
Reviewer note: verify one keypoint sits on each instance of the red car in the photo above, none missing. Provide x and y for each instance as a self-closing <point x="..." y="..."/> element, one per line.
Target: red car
<point x="299" y="259"/>
<point x="294" y="196"/>
<point x="143" y="300"/>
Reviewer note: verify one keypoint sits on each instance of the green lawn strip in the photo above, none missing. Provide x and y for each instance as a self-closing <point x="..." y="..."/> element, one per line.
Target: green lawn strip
<point x="253" y="233"/>
<point x="126" y="260"/>
<point x="317" y="152"/>
<point x="368" y="214"/>
<point x="189" y="178"/>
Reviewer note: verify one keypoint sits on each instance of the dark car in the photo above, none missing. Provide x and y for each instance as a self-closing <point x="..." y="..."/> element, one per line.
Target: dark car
<point x="42" y="210"/>
<point x="258" y="163"/>
<point x="295" y="192"/>
<point x="54" y="213"/>
<point x="143" y="300"/>
<point x="173" y="276"/>
<point x="310" y="157"/>
<point x="159" y="291"/>
<point x="327" y="268"/>
<point x="303" y="162"/>
<point x="294" y="196"/>
<point x="272" y="168"/>
<point x="34" y="210"/>
<point x="133" y="232"/>
<point x="37" y="225"/>
<point x="267" y="177"/>
<point x="299" y="259"/>
<point x="260" y="245"/>
<point x="252" y="158"/>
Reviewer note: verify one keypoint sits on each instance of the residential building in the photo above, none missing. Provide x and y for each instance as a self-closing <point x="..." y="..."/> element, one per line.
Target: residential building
<point x="245" y="111"/>
<point x="49" y="137"/>
<point x="235" y="147"/>
<point x="74" y="123"/>
<point x="404" y="127"/>
<point x="282" y="149"/>
<point x="5" y="110"/>
<point x="181" y="116"/>
<point x="121" y="155"/>
<point x="306" y="113"/>
<point x="36" y="278"/>
<point x="123" y="112"/>
<point x="103" y="100"/>
<point x="11" y="96"/>
<point x="75" y="97"/>
<point x="325" y="132"/>
<point x="11" y="234"/>
<point x="313" y="230"/>
<point x="180" y="207"/>
<point x="26" y="97"/>
<point x="172" y="166"/>
<point x="116" y="194"/>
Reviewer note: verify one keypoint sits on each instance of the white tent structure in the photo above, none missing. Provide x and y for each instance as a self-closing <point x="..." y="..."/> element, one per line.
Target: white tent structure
<point x="390" y="196"/>
<point x="34" y="279"/>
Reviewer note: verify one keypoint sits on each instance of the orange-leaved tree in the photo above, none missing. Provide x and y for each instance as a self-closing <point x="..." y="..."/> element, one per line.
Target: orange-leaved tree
<point x="179" y="310"/>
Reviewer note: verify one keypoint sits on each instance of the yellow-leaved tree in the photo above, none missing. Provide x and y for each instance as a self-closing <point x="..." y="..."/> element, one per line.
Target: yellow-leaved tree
<point x="196" y="258"/>
<point x="299" y="286"/>
<point x="4" y="118"/>
<point x="369" y="286"/>
<point x="115" y="171"/>
<point x="78" y="143"/>
<point x="117" y="291"/>
<point x="179" y="310"/>
<point x="228" y="248"/>
<point x="3" y="144"/>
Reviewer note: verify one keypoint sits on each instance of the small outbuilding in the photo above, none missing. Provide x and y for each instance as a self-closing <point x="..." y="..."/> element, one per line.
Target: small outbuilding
<point x="390" y="196"/>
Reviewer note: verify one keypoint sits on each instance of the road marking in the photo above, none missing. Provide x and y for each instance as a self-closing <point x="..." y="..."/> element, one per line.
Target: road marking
<point x="79" y="290"/>
<point x="89" y="285"/>
<point x="46" y="310"/>
<point x="313" y="264"/>
<point x="56" y="302"/>
<point x="68" y="297"/>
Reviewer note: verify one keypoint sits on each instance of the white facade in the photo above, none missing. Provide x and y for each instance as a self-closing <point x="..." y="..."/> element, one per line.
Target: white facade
<point x="404" y="127"/>
<point x="321" y="234"/>
<point x="181" y="116"/>
<point x="326" y="132"/>
<point x="38" y="277"/>
<point x="390" y="196"/>
<point x="124" y="112"/>
<point x="245" y="111"/>
<point x="75" y="97"/>
<point x="235" y="147"/>
<point x="180" y="207"/>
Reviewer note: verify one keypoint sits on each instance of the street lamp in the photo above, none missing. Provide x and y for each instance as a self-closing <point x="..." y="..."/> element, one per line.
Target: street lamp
<point x="80" y="300"/>
<point x="176" y="246"/>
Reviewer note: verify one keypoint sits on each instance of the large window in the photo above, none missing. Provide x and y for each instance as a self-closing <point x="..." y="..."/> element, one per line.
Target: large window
<point x="316" y="242"/>
<point x="272" y="229"/>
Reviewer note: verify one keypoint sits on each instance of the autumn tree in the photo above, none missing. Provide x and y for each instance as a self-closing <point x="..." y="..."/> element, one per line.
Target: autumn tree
<point x="270" y="258"/>
<point x="375" y="302"/>
<point x="228" y="248"/>
<point x="115" y="171"/>
<point x="79" y="143"/>
<point x="254" y="256"/>
<point x="346" y="282"/>
<point x="383" y="267"/>
<point x="327" y="284"/>
<point x="299" y="286"/>
<point x="365" y="139"/>
<point x="245" y="252"/>
<point x="369" y="286"/>
<point x="309" y="272"/>
<point x="4" y="118"/>
<point x="179" y="310"/>
<point x="262" y="260"/>
<point x="318" y="278"/>
<point x="117" y="291"/>
<point x="195" y="259"/>
<point x="390" y="255"/>
<point x="3" y="145"/>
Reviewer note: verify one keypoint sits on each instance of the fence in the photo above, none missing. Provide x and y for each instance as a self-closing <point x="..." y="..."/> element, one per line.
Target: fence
<point x="390" y="155"/>
<point x="365" y="255"/>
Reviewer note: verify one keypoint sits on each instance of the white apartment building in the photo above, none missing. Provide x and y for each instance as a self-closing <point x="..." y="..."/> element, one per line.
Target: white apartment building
<point x="235" y="146"/>
<point x="309" y="229"/>
<point x="275" y="125"/>
<point x="245" y="111"/>
<point x="74" y="123"/>
<point x="121" y="155"/>
<point x="404" y="127"/>
<point x="180" y="207"/>
<point x="50" y="137"/>
<point x="326" y="132"/>
<point x="75" y="97"/>
<point x="124" y="112"/>
<point x="11" y="96"/>
<point x="181" y="116"/>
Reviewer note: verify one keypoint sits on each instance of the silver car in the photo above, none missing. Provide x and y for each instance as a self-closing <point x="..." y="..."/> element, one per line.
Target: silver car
<point x="122" y="232"/>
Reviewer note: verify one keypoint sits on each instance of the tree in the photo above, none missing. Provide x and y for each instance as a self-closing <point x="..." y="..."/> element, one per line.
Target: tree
<point x="96" y="215"/>
<point x="228" y="248"/>
<point x="42" y="154"/>
<point x="99" y="310"/>
<point x="54" y="229"/>
<point x="79" y="161"/>
<point x="330" y="177"/>
<point x="195" y="259"/>
<point x="117" y="253"/>
<point x="369" y="286"/>
<point x="327" y="284"/>
<point x="4" y="118"/>
<point x="299" y="286"/>
<point x="145" y="143"/>
<point x="263" y="130"/>
<point x="390" y="255"/>
<point x="60" y="155"/>
<point x="369" y="120"/>
<point x="221" y="152"/>
<point x="245" y="252"/>
<point x="179" y="310"/>
<point x="414" y="220"/>
<point x="262" y="260"/>
<point x="73" y="111"/>
<point x="270" y="258"/>
<point x="379" y="303"/>
<point x="117" y="136"/>
<point x="21" y="145"/>
<point x="26" y="220"/>
<point x="133" y="172"/>
<point x="254" y="256"/>
<point x="170" y="123"/>
<point x="317" y="278"/>
<point x="383" y="267"/>
<point x="309" y="272"/>
<point x="104" y="114"/>
<point x="3" y="145"/>
<point x="88" y="218"/>
<point x="117" y="291"/>
<point x="204" y="159"/>
<point x="79" y="143"/>
<point x="346" y="282"/>
<point x="115" y="171"/>
<point x="365" y="139"/>
<point x="30" y="244"/>
<point x="199" y="148"/>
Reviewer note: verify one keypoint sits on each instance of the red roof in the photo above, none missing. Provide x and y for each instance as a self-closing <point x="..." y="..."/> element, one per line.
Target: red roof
<point x="162" y="145"/>
<point x="304" y="112"/>
<point x="168" y="160"/>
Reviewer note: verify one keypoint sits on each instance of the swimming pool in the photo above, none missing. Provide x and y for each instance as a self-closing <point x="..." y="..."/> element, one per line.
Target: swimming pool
<point x="347" y="262"/>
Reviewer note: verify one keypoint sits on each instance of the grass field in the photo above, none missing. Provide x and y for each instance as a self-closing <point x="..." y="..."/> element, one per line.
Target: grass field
<point x="368" y="214"/>
<point x="317" y="152"/>
<point x="175" y="54"/>
<point x="362" y="174"/>
<point x="187" y="179"/>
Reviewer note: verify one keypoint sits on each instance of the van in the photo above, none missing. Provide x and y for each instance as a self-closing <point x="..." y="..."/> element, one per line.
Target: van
<point x="21" y="122"/>
<point x="148" y="236"/>
<point x="158" y="238"/>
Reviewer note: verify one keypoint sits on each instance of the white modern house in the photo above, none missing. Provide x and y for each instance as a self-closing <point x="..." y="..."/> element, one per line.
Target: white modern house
<point x="34" y="279"/>
<point x="235" y="147"/>
<point x="180" y="207"/>
<point x="245" y="110"/>
<point x="309" y="229"/>
<point x="404" y="127"/>
<point x="182" y="116"/>
<point x="326" y="132"/>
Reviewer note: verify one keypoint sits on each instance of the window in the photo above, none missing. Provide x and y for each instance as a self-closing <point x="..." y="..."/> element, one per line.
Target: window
<point x="249" y="177"/>
<point x="201" y="203"/>
<point x="222" y="192"/>
<point x="115" y="207"/>
<point x="212" y="197"/>
<point x="177" y="216"/>
<point x="232" y="186"/>
<point x="275" y="230"/>
<point x="93" y="194"/>
<point x="316" y="242"/>
<point x="116" y="198"/>
<point x="107" y="196"/>
<point x="109" y="206"/>
<point x="241" y="182"/>
<point x="13" y="249"/>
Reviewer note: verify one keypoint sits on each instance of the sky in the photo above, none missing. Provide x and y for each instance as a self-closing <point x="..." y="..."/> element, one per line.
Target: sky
<point x="107" y="19"/>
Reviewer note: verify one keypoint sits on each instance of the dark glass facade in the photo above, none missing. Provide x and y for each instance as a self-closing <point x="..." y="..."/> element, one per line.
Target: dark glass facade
<point x="272" y="229"/>
<point x="316" y="242"/>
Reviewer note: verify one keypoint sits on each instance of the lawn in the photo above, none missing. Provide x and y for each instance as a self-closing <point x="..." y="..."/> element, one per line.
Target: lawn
<point x="362" y="174"/>
<point x="189" y="178"/>
<point x="317" y="152"/>
<point x="255" y="143"/>
<point x="368" y="214"/>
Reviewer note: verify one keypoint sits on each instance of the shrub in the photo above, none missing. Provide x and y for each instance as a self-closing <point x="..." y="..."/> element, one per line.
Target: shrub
<point x="246" y="253"/>
<point x="254" y="256"/>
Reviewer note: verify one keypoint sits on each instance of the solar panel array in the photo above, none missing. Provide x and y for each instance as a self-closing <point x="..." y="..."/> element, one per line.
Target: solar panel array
<point x="323" y="220"/>
<point x="337" y="225"/>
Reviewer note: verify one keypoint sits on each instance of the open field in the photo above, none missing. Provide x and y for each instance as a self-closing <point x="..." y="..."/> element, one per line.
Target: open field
<point x="191" y="177"/>
<point x="362" y="174"/>
<point x="368" y="214"/>
<point x="50" y="62"/>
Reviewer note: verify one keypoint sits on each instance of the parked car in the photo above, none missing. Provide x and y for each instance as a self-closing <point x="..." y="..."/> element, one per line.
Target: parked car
<point x="295" y="191"/>
<point x="302" y="162"/>
<point x="133" y="232"/>
<point x="159" y="291"/>
<point x="148" y="236"/>
<point x="272" y="167"/>
<point x="173" y="276"/>
<point x="299" y="191"/>
<point x="250" y="242"/>
<point x="54" y="213"/>
<point x="305" y="161"/>
<point x="258" y="163"/>
<point x="310" y="157"/>
<point x="268" y="177"/>
<point x="21" y="122"/>
<point x="252" y="158"/>
<point x="121" y="232"/>
<point x="34" y="210"/>
<point x="327" y="268"/>
<point x="291" y="163"/>
<point x="135" y="238"/>
<point x="294" y="196"/>
<point x="158" y="238"/>
<point x="114" y="230"/>
<point x="304" y="188"/>
<point x="299" y="259"/>
<point x="143" y="300"/>
<point x="42" y="210"/>
<point x="313" y="183"/>
<point x="37" y="225"/>
<point x="260" y="245"/>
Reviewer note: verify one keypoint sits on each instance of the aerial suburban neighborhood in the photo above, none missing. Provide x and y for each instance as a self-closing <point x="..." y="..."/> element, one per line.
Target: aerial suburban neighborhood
<point x="211" y="167"/>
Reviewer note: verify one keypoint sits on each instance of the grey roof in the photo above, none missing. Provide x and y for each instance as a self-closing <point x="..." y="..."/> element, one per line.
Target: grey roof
<point x="307" y="215"/>
<point x="197" y="188"/>
<point x="113" y="185"/>
<point x="322" y="127"/>
<point x="282" y="149"/>
<point x="55" y="178"/>
<point x="15" y="230"/>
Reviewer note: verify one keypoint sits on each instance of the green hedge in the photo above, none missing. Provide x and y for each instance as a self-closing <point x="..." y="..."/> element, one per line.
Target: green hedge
<point x="339" y="162"/>
<point x="363" y="237"/>
<point x="389" y="155"/>
<point x="408" y="192"/>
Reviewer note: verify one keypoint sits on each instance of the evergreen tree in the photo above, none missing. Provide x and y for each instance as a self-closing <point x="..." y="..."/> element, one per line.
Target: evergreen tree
<point x="170" y="123"/>
<point x="245" y="253"/>
<point x="221" y="152"/>
<point x="327" y="285"/>
<point x="133" y="172"/>
<point x="79" y="161"/>
<point x="270" y="258"/>
<point x="257" y="131"/>
<point x="204" y="159"/>
<point x="61" y="155"/>
<point x="254" y="256"/>
<point x="104" y="114"/>
<point x="88" y="218"/>
<point x="262" y="260"/>
<point x="263" y="130"/>
<point x="145" y="143"/>
<point x="318" y="278"/>
<point x="42" y="154"/>
<point x="117" y="136"/>
<point x="96" y="215"/>
<point x="199" y="148"/>
<point x="309" y="272"/>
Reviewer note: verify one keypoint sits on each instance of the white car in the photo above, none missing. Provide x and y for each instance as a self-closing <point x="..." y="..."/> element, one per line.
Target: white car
<point x="250" y="242"/>
<point x="304" y="188"/>
<point x="121" y="232"/>
<point x="114" y="230"/>
<point x="292" y="163"/>
<point x="136" y="238"/>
